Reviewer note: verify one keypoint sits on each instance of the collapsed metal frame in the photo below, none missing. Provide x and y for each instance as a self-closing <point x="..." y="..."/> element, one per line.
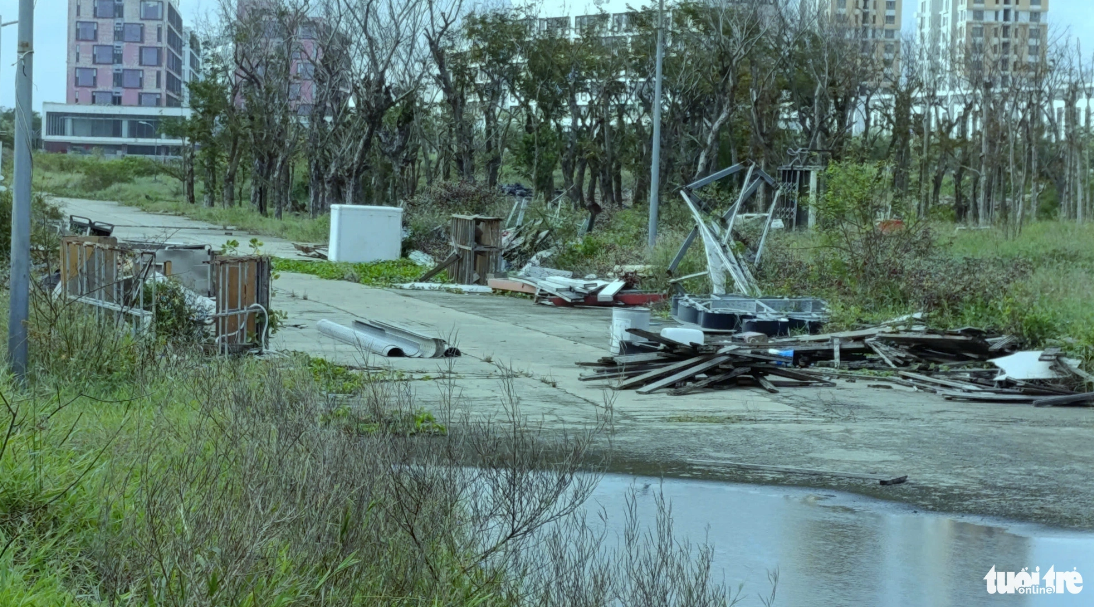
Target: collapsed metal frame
<point x="716" y="240"/>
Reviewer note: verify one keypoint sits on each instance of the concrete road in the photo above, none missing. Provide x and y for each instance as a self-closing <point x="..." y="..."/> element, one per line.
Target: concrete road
<point x="1005" y="460"/>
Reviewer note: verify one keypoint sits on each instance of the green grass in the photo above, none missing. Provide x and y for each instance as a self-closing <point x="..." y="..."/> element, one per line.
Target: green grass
<point x="377" y="274"/>
<point x="143" y="184"/>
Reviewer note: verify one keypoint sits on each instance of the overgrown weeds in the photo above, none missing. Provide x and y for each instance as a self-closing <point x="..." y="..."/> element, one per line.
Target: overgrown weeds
<point x="235" y="481"/>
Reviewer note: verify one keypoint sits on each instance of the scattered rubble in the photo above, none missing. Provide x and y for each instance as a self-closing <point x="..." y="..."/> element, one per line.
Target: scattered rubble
<point x="965" y="364"/>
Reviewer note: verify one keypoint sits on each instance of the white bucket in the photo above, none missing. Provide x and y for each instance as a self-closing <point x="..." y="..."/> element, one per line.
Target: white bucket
<point x="627" y="318"/>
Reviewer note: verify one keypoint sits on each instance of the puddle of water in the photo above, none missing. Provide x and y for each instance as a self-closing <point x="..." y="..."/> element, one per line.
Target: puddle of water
<point x="840" y="549"/>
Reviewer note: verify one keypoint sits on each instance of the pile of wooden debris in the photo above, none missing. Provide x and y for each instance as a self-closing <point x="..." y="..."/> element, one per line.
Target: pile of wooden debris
<point x="560" y="288"/>
<point x="966" y="364"/>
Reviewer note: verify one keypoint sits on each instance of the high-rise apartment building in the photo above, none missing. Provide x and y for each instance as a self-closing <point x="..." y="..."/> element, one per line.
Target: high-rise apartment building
<point x="128" y="63"/>
<point x="876" y="22"/>
<point x="992" y="36"/>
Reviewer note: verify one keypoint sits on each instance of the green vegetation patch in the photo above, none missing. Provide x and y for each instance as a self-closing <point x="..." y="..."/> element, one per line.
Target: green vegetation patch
<point x="376" y="274"/>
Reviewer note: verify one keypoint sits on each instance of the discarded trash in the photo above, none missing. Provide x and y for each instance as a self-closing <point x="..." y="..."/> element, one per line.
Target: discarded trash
<point x="954" y="364"/>
<point x="422" y="258"/>
<point x="317" y="251"/>
<point x="388" y="340"/>
<point x="624" y="319"/>
<point x="1027" y="365"/>
<point x="558" y="288"/>
<point x="436" y="286"/>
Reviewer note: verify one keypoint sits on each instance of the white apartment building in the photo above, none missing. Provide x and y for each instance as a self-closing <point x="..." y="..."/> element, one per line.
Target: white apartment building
<point x="1012" y="32"/>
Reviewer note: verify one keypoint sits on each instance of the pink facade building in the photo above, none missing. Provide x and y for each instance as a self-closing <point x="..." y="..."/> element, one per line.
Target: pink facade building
<point x="128" y="64"/>
<point x="126" y="52"/>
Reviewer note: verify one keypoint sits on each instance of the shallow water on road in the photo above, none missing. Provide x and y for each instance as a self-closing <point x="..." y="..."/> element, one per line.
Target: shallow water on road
<point x="839" y="549"/>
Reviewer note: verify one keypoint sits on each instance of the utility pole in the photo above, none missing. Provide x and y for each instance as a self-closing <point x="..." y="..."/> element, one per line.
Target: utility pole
<point x="20" y="207"/>
<point x="655" y="160"/>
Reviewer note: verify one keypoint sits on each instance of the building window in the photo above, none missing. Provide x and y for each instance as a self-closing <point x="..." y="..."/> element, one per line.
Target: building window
<point x="151" y="55"/>
<point x="87" y="31"/>
<point x="624" y="22"/>
<point x="307" y="31"/>
<point x="890" y="5"/>
<point x="102" y="54"/>
<point x="978" y="15"/>
<point x="890" y="34"/>
<point x="1035" y="17"/>
<point x="159" y="75"/>
<point x="1035" y="33"/>
<point x="129" y="32"/>
<point x="102" y="98"/>
<point x="150" y="99"/>
<point x="77" y="9"/>
<point x="890" y="19"/>
<point x="159" y="33"/>
<point x="174" y="85"/>
<point x="1006" y="31"/>
<point x="890" y="48"/>
<point x="104" y="9"/>
<point x="1006" y="14"/>
<point x="86" y="76"/>
<point x="978" y="31"/>
<point x="305" y="69"/>
<point x="294" y="91"/>
<point x="174" y="63"/>
<point x="152" y="11"/>
<point x="1035" y="2"/>
<point x="129" y="79"/>
<point x="96" y="127"/>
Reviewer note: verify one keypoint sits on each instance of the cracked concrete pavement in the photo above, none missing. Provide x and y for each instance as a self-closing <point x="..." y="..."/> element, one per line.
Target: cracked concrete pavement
<point x="984" y="459"/>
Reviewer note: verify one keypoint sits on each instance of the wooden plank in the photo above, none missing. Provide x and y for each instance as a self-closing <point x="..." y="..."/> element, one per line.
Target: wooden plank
<point x="1084" y="399"/>
<point x="645" y="378"/>
<point x="877" y="350"/>
<point x="884" y="480"/>
<point x="766" y="385"/>
<point x="713" y="380"/>
<point x="792" y="374"/>
<point x="941" y="382"/>
<point x="509" y="284"/>
<point x="451" y="259"/>
<point x="988" y="397"/>
<point x="682" y="375"/>
<point x="656" y="338"/>
<point x="609" y="292"/>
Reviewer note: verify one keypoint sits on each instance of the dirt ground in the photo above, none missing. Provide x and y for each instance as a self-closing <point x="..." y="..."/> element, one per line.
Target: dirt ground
<point x="992" y="459"/>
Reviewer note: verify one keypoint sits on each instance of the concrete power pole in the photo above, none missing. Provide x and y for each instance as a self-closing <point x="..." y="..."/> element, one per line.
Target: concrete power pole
<point x="20" y="208"/>
<point x="655" y="160"/>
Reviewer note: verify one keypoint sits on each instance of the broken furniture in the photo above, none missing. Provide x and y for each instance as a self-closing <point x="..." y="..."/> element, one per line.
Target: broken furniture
<point x="387" y="339"/>
<point x="241" y="289"/>
<point x="84" y="226"/>
<point x="98" y="271"/>
<point x="365" y="233"/>
<point x="120" y="280"/>
<point x="476" y="240"/>
<point x="476" y="251"/>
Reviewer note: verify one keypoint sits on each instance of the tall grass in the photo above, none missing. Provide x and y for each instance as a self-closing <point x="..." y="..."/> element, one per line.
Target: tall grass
<point x="228" y="481"/>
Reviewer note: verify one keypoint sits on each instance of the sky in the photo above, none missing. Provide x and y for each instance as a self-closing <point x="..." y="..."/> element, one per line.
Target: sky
<point x="50" y="33"/>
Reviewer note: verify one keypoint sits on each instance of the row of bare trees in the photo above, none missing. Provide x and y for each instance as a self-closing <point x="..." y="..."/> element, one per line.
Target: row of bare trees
<point x="318" y="102"/>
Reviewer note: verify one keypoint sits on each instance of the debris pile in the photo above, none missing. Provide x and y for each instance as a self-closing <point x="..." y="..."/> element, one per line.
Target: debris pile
<point x="559" y="288"/>
<point x="965" y="364"/>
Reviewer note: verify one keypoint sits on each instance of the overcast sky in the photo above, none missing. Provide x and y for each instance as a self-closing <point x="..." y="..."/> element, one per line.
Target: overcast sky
<point x="50" y="32"/>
